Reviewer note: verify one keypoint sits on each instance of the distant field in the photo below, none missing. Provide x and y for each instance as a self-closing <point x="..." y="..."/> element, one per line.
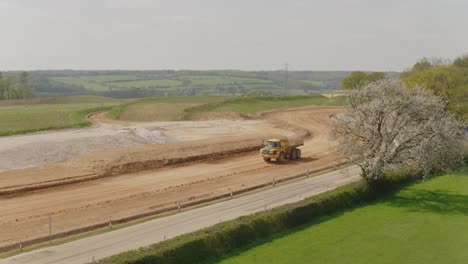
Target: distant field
<point x="146" y="83"/>
<point x="141" y="84"/>
<point x="333" y="95"/>
<point x="422" y="224"/>
<point x="212" y="80"/>
<point x="263" y="87"/>
<point x="160" y="109"/>
<point x="83" y="82"/>
<point x="20" y="116"/>
<point x="106" y="83"/>
<point x="315" y="83"/>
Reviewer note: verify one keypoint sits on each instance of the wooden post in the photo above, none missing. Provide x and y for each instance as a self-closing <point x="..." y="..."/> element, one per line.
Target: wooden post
<point x="50" y="229"/>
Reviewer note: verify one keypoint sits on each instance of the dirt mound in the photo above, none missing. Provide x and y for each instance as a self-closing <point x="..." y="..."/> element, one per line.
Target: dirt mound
<point x="32" y="150"/>
<point x="38" y="148"/>
<point x="105" y="163"/>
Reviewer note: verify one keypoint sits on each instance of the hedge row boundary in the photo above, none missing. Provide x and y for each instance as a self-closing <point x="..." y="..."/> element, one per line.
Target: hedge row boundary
<point x="226" y="237"/>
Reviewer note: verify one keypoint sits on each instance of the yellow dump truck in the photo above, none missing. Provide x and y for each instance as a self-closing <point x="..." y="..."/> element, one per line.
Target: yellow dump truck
<point x="281" y="149"/>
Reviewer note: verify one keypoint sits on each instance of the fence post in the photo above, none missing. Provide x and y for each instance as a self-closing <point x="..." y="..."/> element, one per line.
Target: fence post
<point x="21" y="246"/>
<point x="178" y="206"/>
<point x="50" y="229"/>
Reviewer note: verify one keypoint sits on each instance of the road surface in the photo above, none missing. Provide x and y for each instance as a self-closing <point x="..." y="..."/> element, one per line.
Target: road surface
<point x="105" y="245"/>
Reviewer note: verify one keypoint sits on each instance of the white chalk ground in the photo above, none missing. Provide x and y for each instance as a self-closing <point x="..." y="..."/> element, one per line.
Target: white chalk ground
<point x="34" y="149"/>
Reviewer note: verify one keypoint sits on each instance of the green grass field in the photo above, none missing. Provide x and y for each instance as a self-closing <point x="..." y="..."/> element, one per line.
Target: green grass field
<point x="23" y="116"/>
<point x="82" y="81"/>
<point x="424" y="223"/>
<point x="204" y="83"/>
<point x="146" y="83"/>
<point x="315" y="83"/>
<point x="213" y="80"/>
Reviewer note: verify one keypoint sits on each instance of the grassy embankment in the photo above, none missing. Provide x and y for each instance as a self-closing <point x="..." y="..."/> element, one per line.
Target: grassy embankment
<point x="191" y="108"/>
<point x="24" y="116"/>
<point x="160" y="109"/>
<point x="253" y="105"/>
<point x="426" y="222"/>
<point x="423" y="223"/>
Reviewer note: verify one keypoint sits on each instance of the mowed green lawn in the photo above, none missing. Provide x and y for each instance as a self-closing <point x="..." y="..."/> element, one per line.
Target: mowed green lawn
<point x="422" y="224"/>
<point x="22" y="116"/>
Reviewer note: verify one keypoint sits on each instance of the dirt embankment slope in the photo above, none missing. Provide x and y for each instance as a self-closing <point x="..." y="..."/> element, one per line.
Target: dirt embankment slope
<point x="80" y="205"/>
<point x="109" y="149"/>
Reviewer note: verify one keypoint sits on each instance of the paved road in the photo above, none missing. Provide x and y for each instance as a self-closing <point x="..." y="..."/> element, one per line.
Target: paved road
<point x="104" y="245"/>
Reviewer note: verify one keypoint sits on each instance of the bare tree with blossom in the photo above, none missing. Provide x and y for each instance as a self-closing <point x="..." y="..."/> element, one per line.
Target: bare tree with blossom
<point x="387" y="125"/>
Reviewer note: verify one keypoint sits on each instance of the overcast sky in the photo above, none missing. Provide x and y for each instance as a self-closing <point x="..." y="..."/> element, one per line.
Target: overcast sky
<point x="229" y="34"/>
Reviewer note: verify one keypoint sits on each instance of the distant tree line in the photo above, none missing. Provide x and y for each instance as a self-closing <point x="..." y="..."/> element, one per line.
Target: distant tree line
<point x="15" y="86"/>
<point x="444" y="78"/>
<point x="358" y="79"/>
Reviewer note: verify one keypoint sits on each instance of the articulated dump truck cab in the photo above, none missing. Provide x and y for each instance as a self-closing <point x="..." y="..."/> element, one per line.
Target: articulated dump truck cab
<point x="280" y="149"/>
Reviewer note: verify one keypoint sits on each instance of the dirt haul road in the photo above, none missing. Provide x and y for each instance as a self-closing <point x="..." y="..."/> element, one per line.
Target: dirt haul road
<point x="24" y="216"/>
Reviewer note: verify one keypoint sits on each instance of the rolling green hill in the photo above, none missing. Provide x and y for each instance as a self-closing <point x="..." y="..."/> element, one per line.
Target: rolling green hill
<point x="131" y="84"/>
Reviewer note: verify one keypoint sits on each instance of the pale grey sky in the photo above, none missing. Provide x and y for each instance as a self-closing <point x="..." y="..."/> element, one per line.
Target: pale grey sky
<point x="229" y="34"/>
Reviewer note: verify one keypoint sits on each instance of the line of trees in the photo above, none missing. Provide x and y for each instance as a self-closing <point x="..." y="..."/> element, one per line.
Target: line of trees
<point x="15" y="87"/>
<point x="414" y="120"/>
<point x="445" y="79"/>
<point x="388" y="125"/>
<point x="358" y="79"/>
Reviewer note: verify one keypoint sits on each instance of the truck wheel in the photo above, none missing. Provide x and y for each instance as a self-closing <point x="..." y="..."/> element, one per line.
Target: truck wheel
<point x="293" y="154"/>
<point x="298" y="154"/>
<point x="267" y="159"/>
<point x="280" y="159"/>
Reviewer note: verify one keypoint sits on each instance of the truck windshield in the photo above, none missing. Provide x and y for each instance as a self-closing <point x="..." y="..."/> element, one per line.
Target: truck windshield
<point x="273" y="144"/>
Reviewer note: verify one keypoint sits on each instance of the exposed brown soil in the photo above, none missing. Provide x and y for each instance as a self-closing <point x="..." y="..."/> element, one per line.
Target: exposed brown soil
<point x="156" y="177"/>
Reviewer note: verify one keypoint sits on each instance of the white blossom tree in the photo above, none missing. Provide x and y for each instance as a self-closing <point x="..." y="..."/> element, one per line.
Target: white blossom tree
<point x="387" y="125"/>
